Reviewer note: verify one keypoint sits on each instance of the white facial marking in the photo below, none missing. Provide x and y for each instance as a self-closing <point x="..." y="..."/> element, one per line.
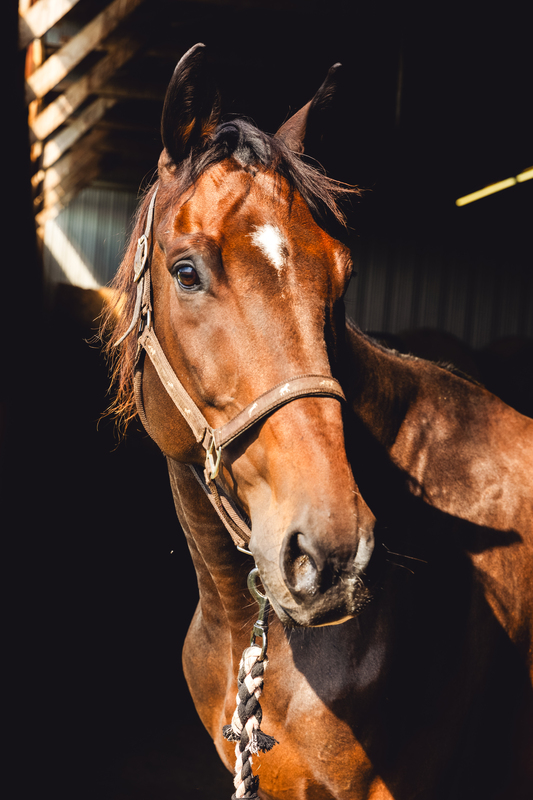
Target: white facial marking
<point x="272" y="244"/>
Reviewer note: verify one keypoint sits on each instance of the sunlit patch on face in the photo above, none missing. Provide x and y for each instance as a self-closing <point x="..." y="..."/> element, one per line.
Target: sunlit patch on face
<point x="343" y="262"/>
<point x="271" y="242"/>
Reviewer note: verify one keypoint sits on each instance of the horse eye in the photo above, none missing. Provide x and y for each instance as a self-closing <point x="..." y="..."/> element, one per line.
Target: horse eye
<point x="187" y="276"/>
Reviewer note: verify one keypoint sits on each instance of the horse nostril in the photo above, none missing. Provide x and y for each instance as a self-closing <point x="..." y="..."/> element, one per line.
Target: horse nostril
<point x="302" y="575"/>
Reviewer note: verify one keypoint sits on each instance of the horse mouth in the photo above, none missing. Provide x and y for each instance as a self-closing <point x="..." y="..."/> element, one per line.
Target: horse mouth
<point x="348" y="598"/>
<point x="330" y="609"/>
<point x="309" y="586"/>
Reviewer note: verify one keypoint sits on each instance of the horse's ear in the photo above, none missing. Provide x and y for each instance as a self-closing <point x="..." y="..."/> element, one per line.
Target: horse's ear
<point x="305" y="128"/>
<point x="192" y="105"/>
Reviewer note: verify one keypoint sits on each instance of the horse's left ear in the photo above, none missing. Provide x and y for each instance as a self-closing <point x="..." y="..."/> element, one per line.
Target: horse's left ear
<point x="192" y="105"/>
<point x="305" y="128"/>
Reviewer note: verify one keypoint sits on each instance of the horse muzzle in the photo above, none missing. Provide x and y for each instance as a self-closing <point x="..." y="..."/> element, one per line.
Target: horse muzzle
<point x="313" y="585"/>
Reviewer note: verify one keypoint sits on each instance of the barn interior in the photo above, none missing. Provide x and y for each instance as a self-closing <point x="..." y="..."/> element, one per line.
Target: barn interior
<point x="434" y="104"/>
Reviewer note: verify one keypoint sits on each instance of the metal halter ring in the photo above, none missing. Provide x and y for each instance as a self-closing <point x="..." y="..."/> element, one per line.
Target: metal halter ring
<point x="261" y="625"/>
<point x="212" y="467"/>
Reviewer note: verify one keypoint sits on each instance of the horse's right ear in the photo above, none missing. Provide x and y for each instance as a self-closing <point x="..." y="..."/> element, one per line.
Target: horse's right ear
<point x="192" y="106"/>
<point x="303" y="131"/>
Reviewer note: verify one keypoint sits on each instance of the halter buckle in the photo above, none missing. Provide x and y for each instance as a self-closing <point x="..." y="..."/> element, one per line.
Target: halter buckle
<point x="145" y="320"/>
<point x="141" y="255"/>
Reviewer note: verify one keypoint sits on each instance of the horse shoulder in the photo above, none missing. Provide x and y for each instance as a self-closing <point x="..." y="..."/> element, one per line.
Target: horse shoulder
<point x="465" y="451"/>
<point x="469" y="456"/>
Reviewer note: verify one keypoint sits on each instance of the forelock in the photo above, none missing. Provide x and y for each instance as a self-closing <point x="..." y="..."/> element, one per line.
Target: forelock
<point x="244" y="142"/>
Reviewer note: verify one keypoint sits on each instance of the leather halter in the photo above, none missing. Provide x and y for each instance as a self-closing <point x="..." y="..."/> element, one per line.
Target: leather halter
<point x="213" y="440"/>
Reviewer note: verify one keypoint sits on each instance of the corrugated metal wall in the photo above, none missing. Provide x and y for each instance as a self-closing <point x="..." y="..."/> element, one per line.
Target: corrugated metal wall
<point x="405" y="287"/>
<point x="84" y="244"/>
<point x="397" y="287"/>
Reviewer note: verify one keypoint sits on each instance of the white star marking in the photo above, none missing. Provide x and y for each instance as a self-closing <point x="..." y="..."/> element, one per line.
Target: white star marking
<point x="271" y="242"/>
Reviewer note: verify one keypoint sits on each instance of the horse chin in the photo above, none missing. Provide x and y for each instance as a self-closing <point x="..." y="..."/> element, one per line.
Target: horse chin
<point x="324" y="612"/>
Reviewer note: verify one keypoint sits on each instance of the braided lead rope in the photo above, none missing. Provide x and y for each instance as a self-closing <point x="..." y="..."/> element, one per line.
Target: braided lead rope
<point x="245" y="727"/>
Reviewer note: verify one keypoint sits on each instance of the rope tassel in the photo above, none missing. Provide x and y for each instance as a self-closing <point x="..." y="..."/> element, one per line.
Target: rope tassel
<point x="245" y="728"/>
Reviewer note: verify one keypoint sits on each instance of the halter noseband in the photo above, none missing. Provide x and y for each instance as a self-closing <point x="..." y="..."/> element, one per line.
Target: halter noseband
<point x="213" y="440"/>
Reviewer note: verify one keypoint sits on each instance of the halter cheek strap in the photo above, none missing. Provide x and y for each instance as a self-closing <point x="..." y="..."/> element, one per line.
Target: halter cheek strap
<point x="213" y="440"/>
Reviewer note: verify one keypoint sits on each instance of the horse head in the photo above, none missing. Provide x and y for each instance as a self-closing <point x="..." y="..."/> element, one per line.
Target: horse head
<point x="247" y="289"/>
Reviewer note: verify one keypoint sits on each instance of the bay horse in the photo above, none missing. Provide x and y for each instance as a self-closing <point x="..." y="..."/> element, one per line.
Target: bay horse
<point x="388" y="501"/>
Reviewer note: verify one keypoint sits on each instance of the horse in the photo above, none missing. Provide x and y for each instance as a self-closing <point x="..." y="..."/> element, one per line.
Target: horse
<point x="385" y="501"/>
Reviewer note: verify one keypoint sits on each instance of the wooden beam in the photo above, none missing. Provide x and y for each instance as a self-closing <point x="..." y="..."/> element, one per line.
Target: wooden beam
<point x="39" y="18"/>
<point x="131" y="148"/>
<point x="48" y="179"/>
<point x="83" y="180"/>
<point x="59" y="144"/>
<point x="126" y="90"/>
<point x="87" y="147"/>
<point x="86" y="169"/>
<point x="67" y="57"/>
<point x="60" y="109"/>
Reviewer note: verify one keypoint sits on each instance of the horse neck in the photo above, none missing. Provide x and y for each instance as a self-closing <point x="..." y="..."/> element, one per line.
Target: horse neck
<point x="381" y="385"/>
<point x="221" y="570"/>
